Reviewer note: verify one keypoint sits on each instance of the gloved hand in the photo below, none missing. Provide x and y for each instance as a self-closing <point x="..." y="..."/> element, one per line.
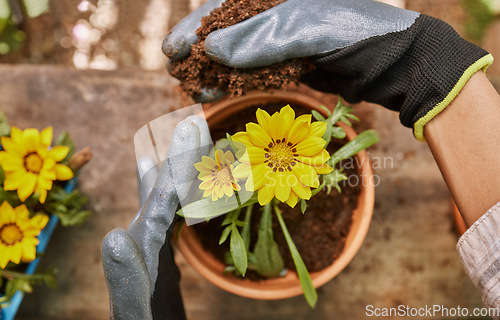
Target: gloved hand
<point x="364" y="50"/>
<point x="142" y="277"/>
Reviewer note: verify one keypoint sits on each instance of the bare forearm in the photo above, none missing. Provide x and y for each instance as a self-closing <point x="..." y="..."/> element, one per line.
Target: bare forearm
<point x="465" y="141"/>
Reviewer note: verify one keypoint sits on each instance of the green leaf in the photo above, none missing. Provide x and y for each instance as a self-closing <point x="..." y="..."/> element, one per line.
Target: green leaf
<point x="268" y="258"/>
<point x="231" y="144"/>
<point x="338" y="133"/>
<point x="207" y="209"/>
<point x="364" y="140"/>
<point x="332" y="179"/>
<point x="328" y="112"/>
<point x="65" y="139"/>
<point x="240" y="223"/>
<point x="318" y="116"/>
<point x="73" y="218"/>
<point x="303" y="206"/>
<point x="4" y="125"/>
<point x="67" y="206"/>
<point x="238" y="251"/>
<point x="304" y="277"/>
<point x="245" y="231"/>
<point x="224" y="234"/>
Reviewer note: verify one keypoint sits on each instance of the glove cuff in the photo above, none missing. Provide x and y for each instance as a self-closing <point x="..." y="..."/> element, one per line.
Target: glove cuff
<point x="417" y="71"/>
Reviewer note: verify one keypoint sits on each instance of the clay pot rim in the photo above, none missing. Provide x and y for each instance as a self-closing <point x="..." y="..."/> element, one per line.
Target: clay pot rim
<point x="288" y="286"/>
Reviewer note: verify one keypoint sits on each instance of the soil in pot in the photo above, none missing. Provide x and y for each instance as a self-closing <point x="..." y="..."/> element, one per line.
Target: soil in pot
<point x="198" y="71"/>
<point x="319" y="234"/>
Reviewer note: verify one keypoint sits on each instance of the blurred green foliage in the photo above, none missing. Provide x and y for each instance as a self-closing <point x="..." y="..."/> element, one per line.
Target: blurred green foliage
<point x="480" y="14"/>
<point x="11" y="37"/>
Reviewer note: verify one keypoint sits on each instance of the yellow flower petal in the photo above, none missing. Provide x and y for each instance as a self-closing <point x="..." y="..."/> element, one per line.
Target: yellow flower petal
<point x="318" y="128"/>
<point x="292" y="200"/>
<point x="266" y="194"/>
<point x="242" y="171"/>
<point x="219" y="191"/>
<point x="4" y="258"/>
<point x="16" y="135"/>
<point x="310" y="146"/>
<point x="299" y="131"/>
<point x="302" y="191"/>
<point x="263" y="118"/>
<point x="201" y="167"/>
<point x="253" y="155"/>
<point x="10" y="163"/>
<point x="42" y="194"/>
<point x="305" y="117"/>
<point x="257" y="135"/>
<point x="259" y="177"/>
<point x="39" y="221"/>
<point x="44" y="183"/>
<point x="58" y="153"/>
<point x="323" y="169"/>
<point x="316" y="160"/>
<point x="31" y="139"/>
<point x="29" y="252"/>
<point x="46" y="136"/>
<point x="207" y="184"/>
<point x="48" y="174"/>
<point x="283" y="122"/>
<point x="275" y="127"/>
<point x="7" y="212"/>
<point x="228" y="157"/>
<point x="10" y="146"/>
<point x="241" y="137"/>
<point x="63" y="172"/>
<point x="282" y="188"/>
<point x="22" y="212"/>
<point x="228" y="190"/>
<point x="306" y="175"/>
<point x="16" y="253"/>
<point x="209" y="162"/>
<point x="14" y="179"/>
<point x="27" y="187"/>
<point x="48" y="164"/>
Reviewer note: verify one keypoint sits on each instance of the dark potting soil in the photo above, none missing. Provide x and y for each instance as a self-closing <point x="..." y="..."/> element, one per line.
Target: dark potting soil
<point x="319" y="234"/>
<point x="198" y="71"/>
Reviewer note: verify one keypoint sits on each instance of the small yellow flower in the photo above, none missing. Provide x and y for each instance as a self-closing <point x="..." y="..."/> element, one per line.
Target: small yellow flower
<point x="30" y="164"/>
<point x="217" y="175"/>
<point x="18" y="234"/>
<point x="282" y="156"/>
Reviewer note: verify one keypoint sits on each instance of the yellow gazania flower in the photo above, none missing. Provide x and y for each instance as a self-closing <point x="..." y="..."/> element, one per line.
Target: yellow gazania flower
<point x="28" y="163"/>
<point x="217" y="175"/>
<point x="282" y="156"/>
<point x="18" y="234"/>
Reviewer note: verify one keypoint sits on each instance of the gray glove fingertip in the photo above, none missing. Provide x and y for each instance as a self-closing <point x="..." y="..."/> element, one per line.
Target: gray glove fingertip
<point x="126" y="277"/>
<point x="177" y="44"/>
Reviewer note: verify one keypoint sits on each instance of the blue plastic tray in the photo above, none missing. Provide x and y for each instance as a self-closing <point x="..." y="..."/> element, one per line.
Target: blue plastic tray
<point x="9" y="312"/>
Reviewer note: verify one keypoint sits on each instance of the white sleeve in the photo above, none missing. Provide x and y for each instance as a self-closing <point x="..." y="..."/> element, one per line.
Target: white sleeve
<point x="479" y="248"/>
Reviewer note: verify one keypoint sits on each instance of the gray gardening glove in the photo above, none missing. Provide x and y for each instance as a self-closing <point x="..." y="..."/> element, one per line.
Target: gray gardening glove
<point x="142" y="277"/>
<point x="363" y="49"/>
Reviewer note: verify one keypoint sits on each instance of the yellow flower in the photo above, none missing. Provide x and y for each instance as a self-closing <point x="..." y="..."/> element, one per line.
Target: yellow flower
<point x="18" y="234"/>
<point x="282" y="156"/>
<point x="29" y="165"/>
<point x="217" y="175"/>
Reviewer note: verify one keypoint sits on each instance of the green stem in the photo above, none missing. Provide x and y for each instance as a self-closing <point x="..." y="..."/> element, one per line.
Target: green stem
<point x="10" y="275"/>
<point x="304" y="277"/>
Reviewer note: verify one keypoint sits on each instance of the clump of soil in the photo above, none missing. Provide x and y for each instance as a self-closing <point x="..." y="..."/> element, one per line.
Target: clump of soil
<point x="319" y="234"/>
<point x="198" y="71"/>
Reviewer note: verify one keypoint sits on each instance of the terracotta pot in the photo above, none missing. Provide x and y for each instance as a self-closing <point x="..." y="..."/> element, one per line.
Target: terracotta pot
<point x="288" y="286"/>
<point x="457" y="218"/>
